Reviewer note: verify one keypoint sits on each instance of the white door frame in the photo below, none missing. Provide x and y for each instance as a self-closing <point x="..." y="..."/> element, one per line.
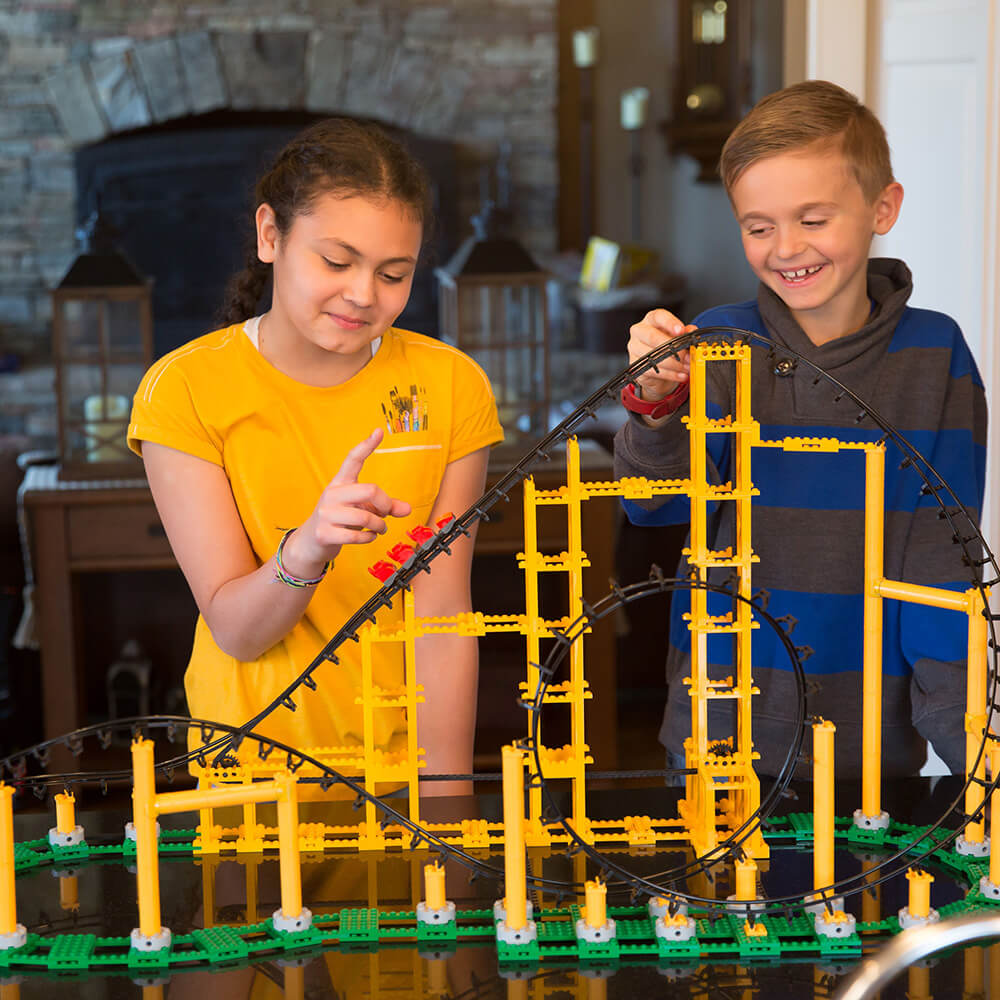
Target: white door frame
<point x="841" y="43"/>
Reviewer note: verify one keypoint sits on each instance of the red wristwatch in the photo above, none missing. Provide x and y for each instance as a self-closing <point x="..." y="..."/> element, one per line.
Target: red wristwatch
<point x="654" y="408"/>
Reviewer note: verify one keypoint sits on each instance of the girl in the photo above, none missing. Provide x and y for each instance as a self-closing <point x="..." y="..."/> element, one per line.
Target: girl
<point x="250" y="438"/>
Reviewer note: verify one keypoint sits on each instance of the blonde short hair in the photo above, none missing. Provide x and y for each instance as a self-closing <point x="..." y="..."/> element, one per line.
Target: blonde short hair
<point x="806" y="114"/>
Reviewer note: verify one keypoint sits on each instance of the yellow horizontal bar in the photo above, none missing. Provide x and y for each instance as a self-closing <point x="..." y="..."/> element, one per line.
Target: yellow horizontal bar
<point x="914" y="593"/>
<point x="211" y="798"/>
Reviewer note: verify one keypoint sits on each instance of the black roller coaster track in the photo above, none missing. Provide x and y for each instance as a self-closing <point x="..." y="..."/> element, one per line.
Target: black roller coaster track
<point x="976" y="555"/>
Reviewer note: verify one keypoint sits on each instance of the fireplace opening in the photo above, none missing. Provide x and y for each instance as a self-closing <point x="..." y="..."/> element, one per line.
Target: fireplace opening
<point x="178" y="198"/>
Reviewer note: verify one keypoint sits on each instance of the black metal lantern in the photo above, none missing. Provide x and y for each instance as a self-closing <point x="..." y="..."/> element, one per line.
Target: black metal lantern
<point x="493" y="305"/>
<point x="102" y="339"/>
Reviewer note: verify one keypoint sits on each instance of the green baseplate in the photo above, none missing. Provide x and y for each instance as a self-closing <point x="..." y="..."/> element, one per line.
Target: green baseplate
<point x="367" y="929"/>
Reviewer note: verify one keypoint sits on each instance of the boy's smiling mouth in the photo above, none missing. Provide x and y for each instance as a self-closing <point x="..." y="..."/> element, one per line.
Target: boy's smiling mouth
<point x="799" y="274"/>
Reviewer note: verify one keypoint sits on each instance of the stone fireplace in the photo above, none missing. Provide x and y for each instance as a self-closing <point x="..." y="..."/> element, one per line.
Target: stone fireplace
<point x="87" y="84"/>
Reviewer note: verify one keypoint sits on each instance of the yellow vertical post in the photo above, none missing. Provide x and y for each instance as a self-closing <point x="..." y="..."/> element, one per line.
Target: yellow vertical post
<point x="871" y="737"/>
<point x="412" y="734"/>
<point x="575" y="554"/>
<point x="743" y="553"/>
<point x="995" y="817"/>
<point x="8" y="896"/>
<point x="532" y="619"/>
<point x="368" y="728"/>
<point x="699" y="790"/>
<point x="596" y="909"/>
<point x="515" y="899"/>
<point x="823" y="804"/>
<point x="146" y="854"/>
<point x="153" y="992"/>
<point x="206" y="821"/>
<point x="434" y="891"/>
<point x="975" y="716"/>
<point x="288" y="846"/>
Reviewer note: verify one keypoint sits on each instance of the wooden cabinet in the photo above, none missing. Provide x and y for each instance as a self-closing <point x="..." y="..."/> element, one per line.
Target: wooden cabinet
<point x="79" y="528"/>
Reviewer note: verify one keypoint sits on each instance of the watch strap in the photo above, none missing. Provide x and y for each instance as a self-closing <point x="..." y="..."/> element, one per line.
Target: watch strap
<point x="654" y="408"/>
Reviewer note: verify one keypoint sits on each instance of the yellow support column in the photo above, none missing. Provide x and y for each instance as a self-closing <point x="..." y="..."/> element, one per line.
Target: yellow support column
<point x="823" y="804"/>
<point x="150" y="935"/>
<point x="576" y="557"/>
<point x="831" y="920"/>
<point x="412" y="712"/>
<point x="513" y="913"/>
<point x="699" y="806"/>
<point x="973" y="841"/>
<point x="12" y="934"/>
<point x="532" y="626"/>
<point x="291" y="916"/>
<point x="372" y="837"/>
<point x="870" y="816"/>
<point x="989" y="885"/>
<point x="746" y="892"/>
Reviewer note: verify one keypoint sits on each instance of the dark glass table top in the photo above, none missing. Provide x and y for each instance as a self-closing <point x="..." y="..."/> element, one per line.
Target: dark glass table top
<point x="209" y="891"/>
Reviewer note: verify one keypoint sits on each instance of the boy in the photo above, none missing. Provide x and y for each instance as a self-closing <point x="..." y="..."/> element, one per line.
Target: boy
<point x="809" y="177"/>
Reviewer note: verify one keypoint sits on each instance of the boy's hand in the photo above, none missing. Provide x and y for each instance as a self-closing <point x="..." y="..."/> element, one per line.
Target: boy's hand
<point x="658" y="327"/>
<point x="348" y="513"/>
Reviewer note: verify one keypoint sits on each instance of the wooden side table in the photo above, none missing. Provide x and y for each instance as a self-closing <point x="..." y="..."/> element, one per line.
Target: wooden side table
<point x="75" y="528"/>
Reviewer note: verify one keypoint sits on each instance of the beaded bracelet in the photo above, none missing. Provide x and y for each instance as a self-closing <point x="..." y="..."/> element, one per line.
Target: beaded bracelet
<point x="281" y="574"/>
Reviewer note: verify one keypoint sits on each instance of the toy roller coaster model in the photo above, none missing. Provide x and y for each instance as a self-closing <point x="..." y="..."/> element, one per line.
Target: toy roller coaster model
<point x="722" y="814"/>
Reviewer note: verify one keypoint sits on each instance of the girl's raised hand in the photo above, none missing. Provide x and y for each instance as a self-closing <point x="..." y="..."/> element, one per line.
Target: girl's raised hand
<point x="656" y="328"/>
<point x="348" y="513"/>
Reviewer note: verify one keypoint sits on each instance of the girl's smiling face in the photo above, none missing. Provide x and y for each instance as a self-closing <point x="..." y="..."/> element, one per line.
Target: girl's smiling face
<point x="343" y="272"/>
<point x="807" y="229"/>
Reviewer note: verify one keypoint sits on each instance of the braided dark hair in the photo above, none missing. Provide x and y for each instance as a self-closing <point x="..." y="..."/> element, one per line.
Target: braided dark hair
<point x="339" y="155"/>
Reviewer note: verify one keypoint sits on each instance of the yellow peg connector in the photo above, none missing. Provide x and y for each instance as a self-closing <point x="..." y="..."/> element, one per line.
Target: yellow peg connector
<point x="919" y="911"/>
<point x="920" y="891"/>
<point x="434" y="886"/>
<point x="596" y="913"/>
<point x="65" y="812"/>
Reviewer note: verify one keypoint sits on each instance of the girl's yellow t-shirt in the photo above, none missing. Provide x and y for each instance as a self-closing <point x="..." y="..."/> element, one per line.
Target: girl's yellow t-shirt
<point x="280" y="443"/>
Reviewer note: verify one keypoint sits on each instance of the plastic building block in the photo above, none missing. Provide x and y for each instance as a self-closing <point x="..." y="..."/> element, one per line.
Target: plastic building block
<point x="420" y="534"/>
<point x="382" y="570"/>
<point x="401" y="552"/>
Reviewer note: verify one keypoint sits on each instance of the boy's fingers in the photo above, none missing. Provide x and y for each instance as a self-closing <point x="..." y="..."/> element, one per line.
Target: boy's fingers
<point x="351" y="467"/>
<point x="666" y="321"/>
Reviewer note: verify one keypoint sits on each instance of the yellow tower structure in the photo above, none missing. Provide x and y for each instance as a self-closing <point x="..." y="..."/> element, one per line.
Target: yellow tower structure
<point x="721" y="766"/>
